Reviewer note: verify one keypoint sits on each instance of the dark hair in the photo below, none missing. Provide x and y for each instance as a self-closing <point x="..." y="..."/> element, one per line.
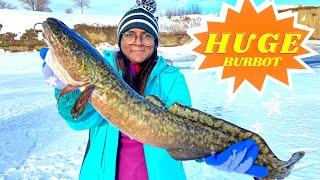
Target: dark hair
<point x="140" y="82"/>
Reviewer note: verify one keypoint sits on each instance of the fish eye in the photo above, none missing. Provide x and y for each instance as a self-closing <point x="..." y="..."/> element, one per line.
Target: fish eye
<point x="63" y="38"/>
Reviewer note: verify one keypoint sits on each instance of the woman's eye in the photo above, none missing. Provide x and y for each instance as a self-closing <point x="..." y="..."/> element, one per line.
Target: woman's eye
<point x="147" y="35"/>
<point x="130" y="34"/>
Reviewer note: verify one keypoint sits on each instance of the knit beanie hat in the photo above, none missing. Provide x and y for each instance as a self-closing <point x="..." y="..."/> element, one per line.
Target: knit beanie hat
<point x="142" y="16"/>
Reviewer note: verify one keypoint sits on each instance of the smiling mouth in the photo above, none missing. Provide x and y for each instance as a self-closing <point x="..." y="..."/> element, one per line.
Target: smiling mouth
<point x="137" y="50"/>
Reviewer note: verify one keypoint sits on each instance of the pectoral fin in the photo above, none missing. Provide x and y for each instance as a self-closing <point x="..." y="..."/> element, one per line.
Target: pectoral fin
<point x="66" y="90"/>
<point x="82" y="101"/>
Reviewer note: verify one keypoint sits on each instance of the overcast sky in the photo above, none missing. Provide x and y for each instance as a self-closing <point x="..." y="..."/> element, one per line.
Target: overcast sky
<point x="118" y="7"/>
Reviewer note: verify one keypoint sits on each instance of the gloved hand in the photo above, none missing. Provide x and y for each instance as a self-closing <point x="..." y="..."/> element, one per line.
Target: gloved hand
<point x="239" y="157"/>
<point x="49" y="76"/>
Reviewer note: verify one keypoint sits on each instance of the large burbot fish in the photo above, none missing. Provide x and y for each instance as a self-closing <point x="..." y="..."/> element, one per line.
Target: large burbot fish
<point x="186" y="133"/>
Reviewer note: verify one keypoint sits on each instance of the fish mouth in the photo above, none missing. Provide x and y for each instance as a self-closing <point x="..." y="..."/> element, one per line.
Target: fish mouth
<point x="54" y="23"/>
<point x="53" y="30"/>
<point x="48" y="34"/>
<point x="45" y="31"/>
<point x="50" y="30"/>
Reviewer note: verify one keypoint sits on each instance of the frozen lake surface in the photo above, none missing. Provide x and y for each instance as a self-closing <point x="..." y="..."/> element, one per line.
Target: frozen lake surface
<point x="36" y="143"/>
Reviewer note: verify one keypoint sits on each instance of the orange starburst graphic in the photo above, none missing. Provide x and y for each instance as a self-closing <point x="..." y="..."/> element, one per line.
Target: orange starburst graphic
<point x="252" y="42"/>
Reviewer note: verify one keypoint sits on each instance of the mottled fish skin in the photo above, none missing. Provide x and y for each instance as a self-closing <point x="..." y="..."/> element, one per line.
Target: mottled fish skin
<point x="185" y="132"/>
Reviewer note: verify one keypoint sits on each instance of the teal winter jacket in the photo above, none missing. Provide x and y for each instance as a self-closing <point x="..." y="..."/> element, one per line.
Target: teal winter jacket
<point x="169" y="85"/>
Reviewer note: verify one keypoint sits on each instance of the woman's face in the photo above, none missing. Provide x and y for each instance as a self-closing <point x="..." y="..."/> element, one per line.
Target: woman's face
<point x="137" y="45"/>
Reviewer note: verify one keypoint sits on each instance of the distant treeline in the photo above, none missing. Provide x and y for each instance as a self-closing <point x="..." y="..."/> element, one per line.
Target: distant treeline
<point x="27" y="42"/>
<point x="95" y="34"/>
<point x="309" y="16"/>
<point x="43" y="5"/>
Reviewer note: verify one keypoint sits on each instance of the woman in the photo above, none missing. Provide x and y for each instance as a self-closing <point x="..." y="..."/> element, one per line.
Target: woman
<point x="111" y="154"/>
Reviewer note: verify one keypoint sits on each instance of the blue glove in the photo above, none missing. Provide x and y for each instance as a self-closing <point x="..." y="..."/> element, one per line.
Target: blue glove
<point x="49" y="76"/>
<point x="239" y="157"/>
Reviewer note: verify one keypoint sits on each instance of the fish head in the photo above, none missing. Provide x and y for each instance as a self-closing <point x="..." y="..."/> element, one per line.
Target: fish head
<point x="73" y="57"/>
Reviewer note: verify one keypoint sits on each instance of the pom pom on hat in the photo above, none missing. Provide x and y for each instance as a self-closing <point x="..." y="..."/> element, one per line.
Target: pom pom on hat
<point x="150" y="5"/>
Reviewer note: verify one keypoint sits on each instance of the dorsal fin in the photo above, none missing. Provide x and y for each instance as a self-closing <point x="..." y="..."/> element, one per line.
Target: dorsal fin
<point x="155" y="100"/>
<point x="193" y="114"/>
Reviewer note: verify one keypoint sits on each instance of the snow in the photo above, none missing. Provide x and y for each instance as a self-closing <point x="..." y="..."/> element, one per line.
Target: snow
<point x="26" y="19"/>
<point x="30" y="126"/>
<point x="36" y="143"/>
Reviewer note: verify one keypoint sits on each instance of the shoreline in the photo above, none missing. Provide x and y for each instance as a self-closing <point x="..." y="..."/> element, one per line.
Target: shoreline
<point x="313" y="44"/>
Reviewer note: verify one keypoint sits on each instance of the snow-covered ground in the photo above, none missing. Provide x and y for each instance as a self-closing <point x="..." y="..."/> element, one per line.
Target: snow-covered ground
<point x="17" y="21"/>
<point x="36" y="143"/>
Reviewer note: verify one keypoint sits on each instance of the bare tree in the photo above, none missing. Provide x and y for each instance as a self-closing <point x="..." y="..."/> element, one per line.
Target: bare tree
<point x="68" y="11"/>
<point x="194" y="9"/>
<point x="5" y="5"/>
<point x="36" y="5"/>
<point x="82" y="4"/>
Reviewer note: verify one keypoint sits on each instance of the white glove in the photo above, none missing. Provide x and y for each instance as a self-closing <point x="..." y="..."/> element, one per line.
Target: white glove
<point x="49" y="75"/>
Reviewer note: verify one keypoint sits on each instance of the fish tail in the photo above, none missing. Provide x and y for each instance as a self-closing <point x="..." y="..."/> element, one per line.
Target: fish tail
<point x="288" y="164"/>
<point x="294" y="159"/>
